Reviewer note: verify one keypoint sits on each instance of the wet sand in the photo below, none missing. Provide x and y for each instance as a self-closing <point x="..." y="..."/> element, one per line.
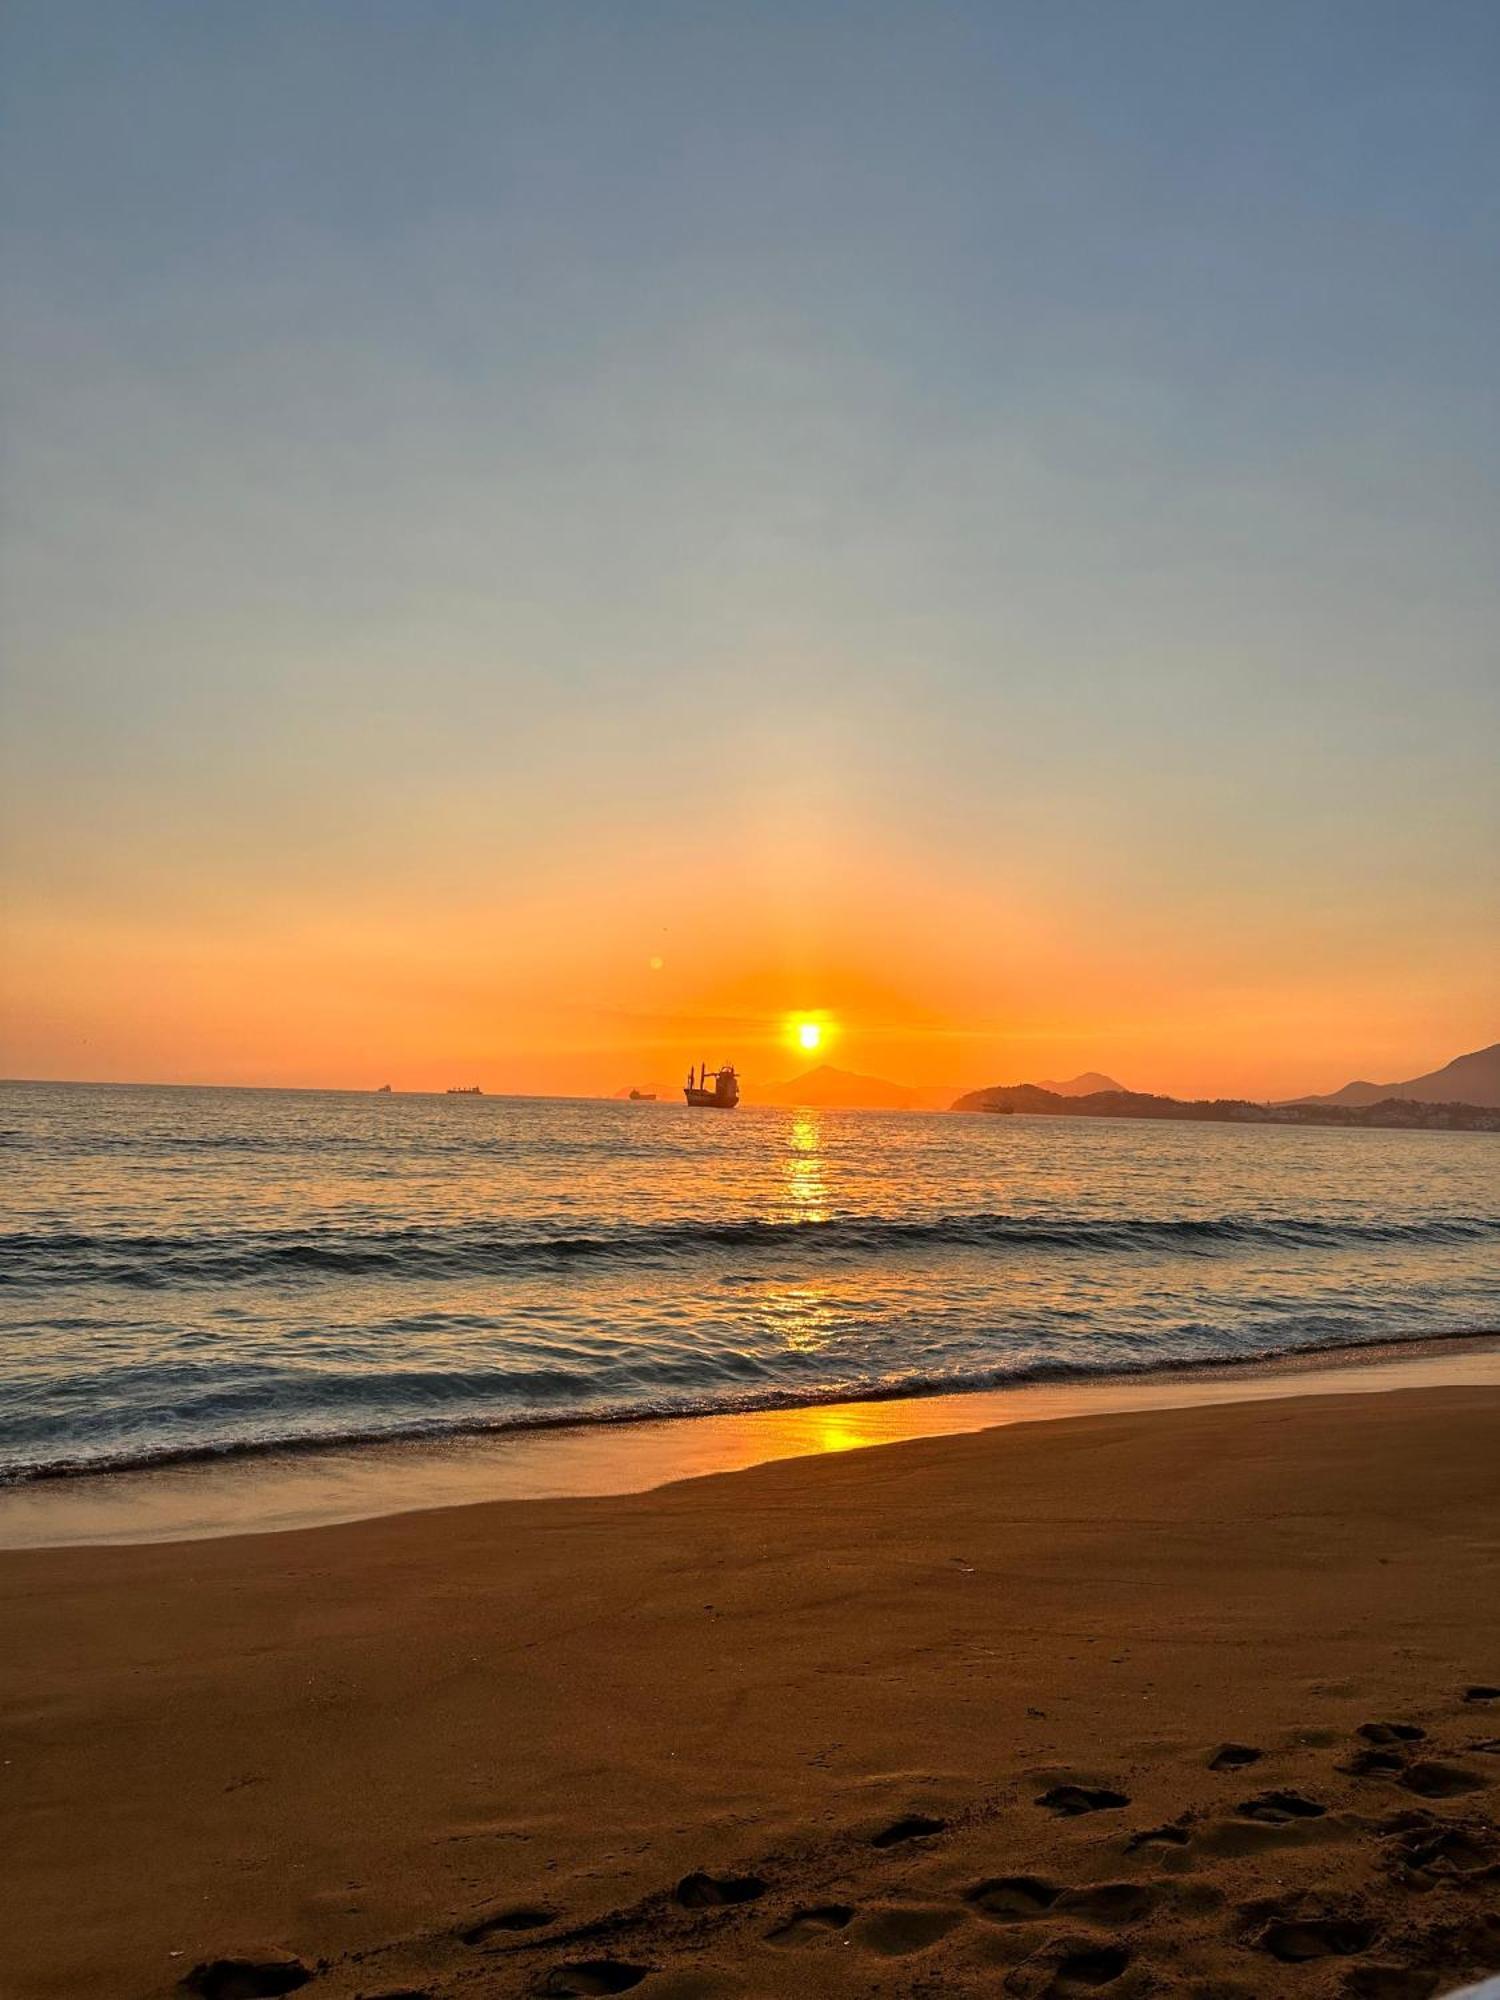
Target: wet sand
<point x="1202" y="1700"/>
<point x="248" y="1493"/>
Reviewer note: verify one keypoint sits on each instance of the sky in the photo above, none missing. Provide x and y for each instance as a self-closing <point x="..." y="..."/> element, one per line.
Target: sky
<point x="543" y="542"/>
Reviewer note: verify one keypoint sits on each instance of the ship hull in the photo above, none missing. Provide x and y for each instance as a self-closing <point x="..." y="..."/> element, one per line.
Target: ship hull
<point x="709" y="1100"/>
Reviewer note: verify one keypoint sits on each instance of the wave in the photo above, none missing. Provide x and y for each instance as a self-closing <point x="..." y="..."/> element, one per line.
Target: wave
<point x="455" y="1428"/>
<point x="481" y="1249"/>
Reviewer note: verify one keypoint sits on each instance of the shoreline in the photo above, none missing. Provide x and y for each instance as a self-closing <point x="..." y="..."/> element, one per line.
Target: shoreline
<point x="285" y="1488"/>
<point x="975" y="1714"/>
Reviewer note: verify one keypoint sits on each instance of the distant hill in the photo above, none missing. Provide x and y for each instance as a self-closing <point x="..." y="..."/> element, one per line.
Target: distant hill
<point x="1400" y="1112"/>
<point x="831" y="1089"/>
<point x="1083" y="1085"/>
<point x="1472" y="1079"/>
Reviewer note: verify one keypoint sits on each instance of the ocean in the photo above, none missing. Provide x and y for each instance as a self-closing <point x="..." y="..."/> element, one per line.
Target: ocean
<point x="196" y="1272"/>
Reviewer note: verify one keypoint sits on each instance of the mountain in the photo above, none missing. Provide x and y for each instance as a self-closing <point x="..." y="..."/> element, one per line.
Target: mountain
<point x="831" y="1089"/>
<point x="1083" y="1085"/>
<point x="1471" y="1079"/>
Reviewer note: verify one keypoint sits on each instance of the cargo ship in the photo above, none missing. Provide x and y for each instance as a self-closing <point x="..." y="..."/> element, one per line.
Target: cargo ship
<point x="725" y="1093"/>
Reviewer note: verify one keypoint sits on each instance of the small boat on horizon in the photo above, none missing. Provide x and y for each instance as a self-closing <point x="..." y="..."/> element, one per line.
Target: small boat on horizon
<point x="641" y="1096"/>
<point x="725" y="1094"/>
<point x="463" y="1090"/>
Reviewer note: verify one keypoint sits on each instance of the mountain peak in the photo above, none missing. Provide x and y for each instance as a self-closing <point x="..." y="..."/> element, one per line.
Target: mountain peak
<point x="827" y="1088"/>
<point x="1470" y="1079"/>
<point x="1083" y="1085"/>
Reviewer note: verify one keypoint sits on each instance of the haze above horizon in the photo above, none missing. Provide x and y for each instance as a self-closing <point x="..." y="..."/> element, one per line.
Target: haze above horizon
<point x="543" y="544"/>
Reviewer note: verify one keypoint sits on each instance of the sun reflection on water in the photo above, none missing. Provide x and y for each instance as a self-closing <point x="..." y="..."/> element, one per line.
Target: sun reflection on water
<point x="806" y="1189"/>
<point x="799" y="1316"/>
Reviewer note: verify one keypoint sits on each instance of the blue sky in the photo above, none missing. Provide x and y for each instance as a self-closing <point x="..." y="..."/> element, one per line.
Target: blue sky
<point x="1055" y="443"/>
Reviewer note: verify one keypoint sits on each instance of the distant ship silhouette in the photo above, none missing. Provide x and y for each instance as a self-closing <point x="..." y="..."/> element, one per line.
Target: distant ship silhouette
<point x="725" y="1094"/>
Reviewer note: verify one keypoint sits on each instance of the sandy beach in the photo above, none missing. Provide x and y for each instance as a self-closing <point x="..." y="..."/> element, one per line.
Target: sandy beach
<point x="1201" y="1701"/>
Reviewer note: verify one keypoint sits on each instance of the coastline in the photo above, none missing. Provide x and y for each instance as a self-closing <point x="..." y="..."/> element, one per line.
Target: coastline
<point x="786" y="1729"/>
<point x="304" y="1486"/>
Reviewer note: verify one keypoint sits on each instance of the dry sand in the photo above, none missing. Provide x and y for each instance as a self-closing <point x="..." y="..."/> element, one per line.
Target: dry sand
<point x="1200" y="1701"/>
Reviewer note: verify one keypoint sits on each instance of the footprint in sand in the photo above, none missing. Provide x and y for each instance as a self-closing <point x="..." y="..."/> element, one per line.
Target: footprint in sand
<point x="1082" y="1971"/>
<point x="1481" y="1691"/>
<point x="1069" y="1800"/>
<point x="1108" y="1902"/>
<point x="1431" y="1780"/>
<point x="259" y="1977"/>
<point x="897" y="1933"/>
<point x="1435" y="1849"/>
<point x="717" y="1892"/>
<point x="1391" y="1732"/>
<point x="1174" y="1835"/>
<point x="1303" y="1926"/>
<point x="1011" y="1899"/>
<point x="591" y="1977"/>
<point x="1234" y="1757"/>
<point x="1279" y="1808"/>
<point x="1295" y="1940"/>
<point x="1375" y="1764"/>
<point x="808" y="1926"/>
<point x="1067" y="1965"/>
<point x="522" y="1917"/>
<point x="915" y="1826"/>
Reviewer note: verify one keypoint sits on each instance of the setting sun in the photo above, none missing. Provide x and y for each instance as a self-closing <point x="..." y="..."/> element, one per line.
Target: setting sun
<point x="809" y="1034"/>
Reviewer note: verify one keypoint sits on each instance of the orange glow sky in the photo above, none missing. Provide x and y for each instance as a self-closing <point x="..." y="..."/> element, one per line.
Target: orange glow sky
<point x="616" y="968"/>
<point x="975" y="524"/>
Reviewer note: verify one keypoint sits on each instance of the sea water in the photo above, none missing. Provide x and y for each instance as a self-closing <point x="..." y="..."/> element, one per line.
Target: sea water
<point x="195" y="1271"/>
